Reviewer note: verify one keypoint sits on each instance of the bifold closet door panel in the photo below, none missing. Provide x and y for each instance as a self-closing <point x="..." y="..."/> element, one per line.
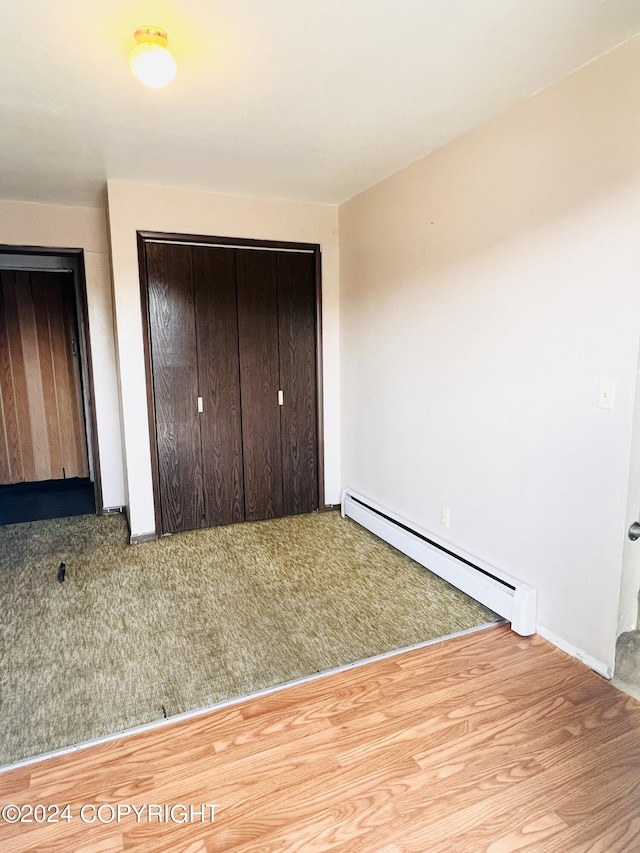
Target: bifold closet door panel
<point x="214" y="283"/>
<point x="297" y="336"/>
<point x="175" y="385"/>
<point x="259" y="382"/>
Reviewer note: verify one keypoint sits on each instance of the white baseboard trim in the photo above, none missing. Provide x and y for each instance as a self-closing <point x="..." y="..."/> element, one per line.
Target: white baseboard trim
<point x="139" y="538"/>
<point x="587" y="659"/>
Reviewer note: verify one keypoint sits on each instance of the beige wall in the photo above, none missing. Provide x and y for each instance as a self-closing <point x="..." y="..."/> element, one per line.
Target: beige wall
<point x="485" y="292"/>
<point x="628" y="615"/>
<point x="61" y="227"/>
<point x="133" y="207"/>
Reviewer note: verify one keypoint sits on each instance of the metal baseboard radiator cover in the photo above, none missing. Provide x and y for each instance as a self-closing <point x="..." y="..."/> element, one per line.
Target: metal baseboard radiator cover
<point x="510" y="598"/>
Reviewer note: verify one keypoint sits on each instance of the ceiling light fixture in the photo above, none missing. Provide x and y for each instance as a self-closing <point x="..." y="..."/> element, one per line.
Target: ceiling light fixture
<point x="150" y="60"/>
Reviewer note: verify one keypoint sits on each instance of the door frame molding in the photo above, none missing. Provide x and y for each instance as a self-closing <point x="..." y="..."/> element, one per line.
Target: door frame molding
<point x="144" y="237"/>
<point x="82" y="316"/>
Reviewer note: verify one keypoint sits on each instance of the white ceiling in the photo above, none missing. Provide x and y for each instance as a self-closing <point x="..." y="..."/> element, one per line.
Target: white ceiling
<point x="290" y="98"/>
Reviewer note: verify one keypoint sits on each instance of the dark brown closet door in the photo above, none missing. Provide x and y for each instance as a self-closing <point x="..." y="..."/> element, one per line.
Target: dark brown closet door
<point x="175" y="385"/>
<point x="258" y="339"/>
<point x="297" y="338"/>
<point x="214" y="282"/>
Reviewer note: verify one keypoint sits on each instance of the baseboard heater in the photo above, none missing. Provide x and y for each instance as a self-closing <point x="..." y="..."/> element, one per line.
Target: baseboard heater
<point x="511" y="599"/>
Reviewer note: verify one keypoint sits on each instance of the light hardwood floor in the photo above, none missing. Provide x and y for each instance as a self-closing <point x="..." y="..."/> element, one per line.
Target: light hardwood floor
<point x="487" y="742"/>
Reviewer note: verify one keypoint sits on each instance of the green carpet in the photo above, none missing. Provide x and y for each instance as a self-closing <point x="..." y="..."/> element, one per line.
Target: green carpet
<point x="137" y="633"/>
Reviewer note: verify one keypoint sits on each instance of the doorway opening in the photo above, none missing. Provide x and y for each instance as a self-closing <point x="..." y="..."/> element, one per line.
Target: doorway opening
<point x="233" y="355"/>
<point x="48" y="450"/>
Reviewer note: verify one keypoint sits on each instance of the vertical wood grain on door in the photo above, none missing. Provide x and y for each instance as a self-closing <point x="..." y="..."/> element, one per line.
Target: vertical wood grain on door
<point x="297" y="348"/>
<point x="175" y="385"/>
<point x="214" y="283"/>
<point x="259" y="378"/>
<point x="43" y="433"/>
<point x="16" y="447"/>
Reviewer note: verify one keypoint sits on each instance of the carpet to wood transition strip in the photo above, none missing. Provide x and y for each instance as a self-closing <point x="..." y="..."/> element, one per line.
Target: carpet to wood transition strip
<point x="486" y="743"/>
<point x="136" y="633"/>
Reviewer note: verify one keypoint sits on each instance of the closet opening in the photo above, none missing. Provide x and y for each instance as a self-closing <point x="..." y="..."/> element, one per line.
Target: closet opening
<point x="49" y="465"/>
<point x="233" y="354"/>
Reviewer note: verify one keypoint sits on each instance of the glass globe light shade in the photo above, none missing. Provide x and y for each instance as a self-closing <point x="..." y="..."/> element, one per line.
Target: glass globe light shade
<point x="150" y="60"/>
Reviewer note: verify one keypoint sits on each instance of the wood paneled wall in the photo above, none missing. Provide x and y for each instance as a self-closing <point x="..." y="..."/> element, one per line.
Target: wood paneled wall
<point x="42" y="428"/>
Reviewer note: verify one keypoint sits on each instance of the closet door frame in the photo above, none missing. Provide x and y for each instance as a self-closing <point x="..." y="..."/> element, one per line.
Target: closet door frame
<point x="145" y="237"/>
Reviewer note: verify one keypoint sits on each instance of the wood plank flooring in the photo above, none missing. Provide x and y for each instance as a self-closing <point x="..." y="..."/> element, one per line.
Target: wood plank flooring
<point x="487" y="742"/>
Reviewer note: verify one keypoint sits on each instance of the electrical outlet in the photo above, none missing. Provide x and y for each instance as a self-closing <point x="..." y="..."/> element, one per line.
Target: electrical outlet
<point x="445" y="516"/>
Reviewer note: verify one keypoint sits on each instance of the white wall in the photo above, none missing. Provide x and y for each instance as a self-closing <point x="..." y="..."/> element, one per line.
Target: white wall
<point x="133" y="207"/>
<point x="630" y="580"/>
<point x="62" y="227"/>
<point x="485" y="291"/>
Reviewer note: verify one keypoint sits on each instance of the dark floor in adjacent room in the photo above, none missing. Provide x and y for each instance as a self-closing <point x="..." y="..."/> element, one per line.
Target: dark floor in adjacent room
<point x="48" y="499"/>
